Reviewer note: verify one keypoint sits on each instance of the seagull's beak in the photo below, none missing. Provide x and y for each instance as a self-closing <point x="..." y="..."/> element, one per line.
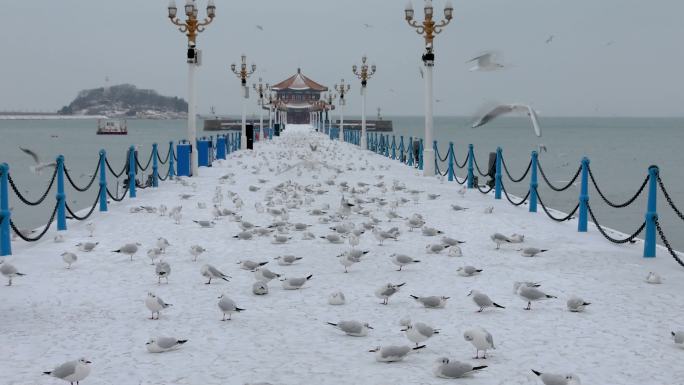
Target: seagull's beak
<point x="403" y="330"/>
<point x="471" y="292"/>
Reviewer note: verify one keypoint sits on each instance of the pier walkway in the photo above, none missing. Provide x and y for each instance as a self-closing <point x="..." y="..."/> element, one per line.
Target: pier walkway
<point x="96" y="309"/>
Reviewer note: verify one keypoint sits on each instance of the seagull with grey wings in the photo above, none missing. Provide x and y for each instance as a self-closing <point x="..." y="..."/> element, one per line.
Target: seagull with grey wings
<point x="485" y="62"/>
<point x="39" y="166"/>
<point x="503" y="109"/>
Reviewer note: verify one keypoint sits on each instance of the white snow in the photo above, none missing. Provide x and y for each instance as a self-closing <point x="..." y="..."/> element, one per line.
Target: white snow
<point x="96" y="309"/>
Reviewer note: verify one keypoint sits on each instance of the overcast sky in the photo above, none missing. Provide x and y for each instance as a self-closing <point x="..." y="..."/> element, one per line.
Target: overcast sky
<point x="608" y="57"/>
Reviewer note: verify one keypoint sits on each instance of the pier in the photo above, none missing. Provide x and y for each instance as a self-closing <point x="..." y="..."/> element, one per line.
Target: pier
<point x="96" y="308"/>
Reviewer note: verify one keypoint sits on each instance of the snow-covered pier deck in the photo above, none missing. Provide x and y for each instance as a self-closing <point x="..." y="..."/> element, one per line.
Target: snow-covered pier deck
<point x="97" y="308"/>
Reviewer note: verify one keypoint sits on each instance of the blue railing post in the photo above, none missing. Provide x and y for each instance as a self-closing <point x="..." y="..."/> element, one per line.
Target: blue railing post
<point x="533" y="182"/>
<point x="450" y="172"/>
<point x="155" y="166"/>
<point x="172" y="168"/>
<point x="61" y="195"/>
<point x="436" y="150"/>
<point x="5" y="213"/>
<point x="497" y="175"/>
<point x="584" y="197"/>
<point x="103" y="181"/>
<point x="394" y="147"/>
<point x="220" y="147"/>
<point x="410" y="151"/>
<point x="471" y="159"/>
<point x="387" y="146"/>
<point x="401" y="148"/>
<point x="651" y="213"/>
<point x="131" y="172"/>
<point x="420" y="155"/>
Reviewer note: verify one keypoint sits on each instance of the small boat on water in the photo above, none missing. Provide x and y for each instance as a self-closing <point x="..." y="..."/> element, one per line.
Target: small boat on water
<point x="112" y="127"/>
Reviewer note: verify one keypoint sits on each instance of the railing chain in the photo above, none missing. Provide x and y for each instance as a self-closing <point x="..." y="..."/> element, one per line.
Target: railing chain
<point x="629" y="239"/>
<point x="47" y="227"/>
<point x="23" y="199"/>
<point x="554" y="188"/>
<point x="667" y="244"/>
<point x="92" y="208"/>
<point x="557" y="219"/>
<point x="618" y="205"/>
<point x="90" y="183"/>
<point x="669" y="199"/>
<point x="514" y="180"/>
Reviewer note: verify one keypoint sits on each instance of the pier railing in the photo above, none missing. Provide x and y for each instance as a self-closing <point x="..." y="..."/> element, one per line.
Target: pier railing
<point x="447" y="165"/>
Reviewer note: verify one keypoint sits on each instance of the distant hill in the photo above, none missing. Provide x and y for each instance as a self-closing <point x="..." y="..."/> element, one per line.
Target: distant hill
<point x="126" y="100"/>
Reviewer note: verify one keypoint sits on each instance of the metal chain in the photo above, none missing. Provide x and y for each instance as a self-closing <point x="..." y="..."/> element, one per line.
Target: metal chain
<point x="514" y="180"/>
<point x="482" y="190"/>
<point x="149" y="160"/>
<point x="618" y="205"/>
<point x="23" y="199"/>
<point x="464" y="161"/>
<point x="47" y="227"/>
<point x="509" y="198"/>
<point x="667" y="244"/>
<point x="460" y="182"/>
<point x="87" y="187"/>
<point x="557" y="219"/>
<point x="669" y="199"/>
<point x="166" y="159"/>
<point x="117" y="175"/>
<point x="554" y="188"/>
<point x="92" y="208"/>
<point x="477" y="166"/>
<point x="445" y="157"/>
<point x="608" y="237"/>
<point x="115" y="198"/>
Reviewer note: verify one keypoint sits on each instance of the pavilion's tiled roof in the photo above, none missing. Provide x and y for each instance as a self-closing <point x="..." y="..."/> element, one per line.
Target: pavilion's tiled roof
<point x="299" y="82"/>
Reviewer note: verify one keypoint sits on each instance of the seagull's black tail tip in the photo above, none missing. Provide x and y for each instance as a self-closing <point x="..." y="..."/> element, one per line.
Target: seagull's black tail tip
<point x="536" y="372"/>
<point x="413" y="296"/>
<point x="47" y="373"/>
<point x="499" y="306"/>
<point x="332" y="324"/>
<point x="237" y="309"/>
<point x="309" y="277"/>
<point x="419" y="347"/>
<point x="479" y="367"/>
<point x="181" y="342"/>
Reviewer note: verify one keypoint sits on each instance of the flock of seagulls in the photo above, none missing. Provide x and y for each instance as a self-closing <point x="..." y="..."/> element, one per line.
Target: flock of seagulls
<point x="354" y="222"/>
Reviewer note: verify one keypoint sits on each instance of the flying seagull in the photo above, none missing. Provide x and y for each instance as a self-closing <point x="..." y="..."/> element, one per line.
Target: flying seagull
<point x="549" y="39"/>
<point x="39" y="166"/>
<point x="260" y="28"/>
<point x="367" y="25"/>
<point x="507" y="108"/>
<point x="485" y="62"/>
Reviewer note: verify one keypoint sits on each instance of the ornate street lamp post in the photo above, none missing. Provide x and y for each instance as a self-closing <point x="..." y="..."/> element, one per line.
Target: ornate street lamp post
<point x="270" y="101"/>
<point x="429" y="29"/>
<point x="329" y="99"/>
<point x="341" y="89"/>
<point x="191" y="27"/>
<point x="261" y="89"/>
<point x="363" y="73"/>
<point x="243" y="73"/>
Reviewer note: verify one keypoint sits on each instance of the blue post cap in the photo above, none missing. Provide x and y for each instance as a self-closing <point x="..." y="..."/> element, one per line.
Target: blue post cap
<point x="103" y="152"/>
<point x="154" y="144"/>
<point x="60" y="158"/>
<point x="585" y="160"/>
<point x="534" y="153"/>
<point x="470" y="146"/>
<point x="4" y="167"/>
<point x="652" y="167"/>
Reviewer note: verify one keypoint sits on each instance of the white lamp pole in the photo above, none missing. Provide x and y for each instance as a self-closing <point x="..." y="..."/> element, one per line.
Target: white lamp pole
<point x="364" y="74"/>
<point x="428" y="28"/>
<point x="191" y="27"/>
<point x="342" y="89"/>
<point x="243" y="73"/>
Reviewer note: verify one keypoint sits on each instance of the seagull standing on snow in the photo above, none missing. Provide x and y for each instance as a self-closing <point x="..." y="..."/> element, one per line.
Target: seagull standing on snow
<point x="387" y="291"/>
<point x="155" y="304"/>
<point x="481" y="339"/>
<point x="163" y="270"/>
<point x="402" y="260"/>
<point x="9" y="271"/>
<point x="72" y="371"/>
<point x="576" y="304"/>
<point x="418" y="332"/>
<point x="508" y="108"/>
<point x="69" y="259"/>
<point x="431" y="302"/>
<point x="483" y="301"/>
<point x="210" y="272"/>
<point x="128" y="249"/>
<point x="227" y="306"/>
